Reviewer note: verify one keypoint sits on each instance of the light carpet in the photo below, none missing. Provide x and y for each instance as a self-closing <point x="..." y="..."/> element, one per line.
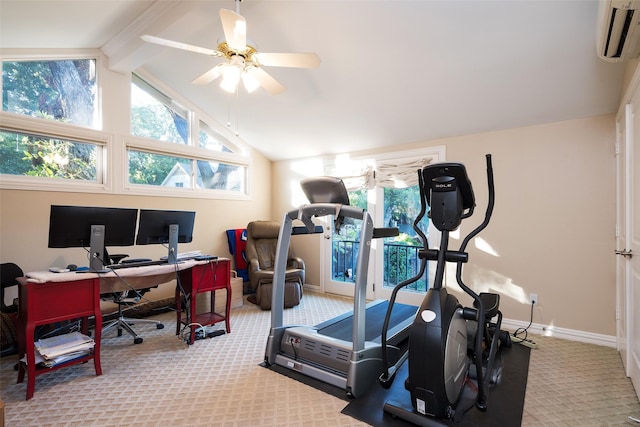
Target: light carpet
<point x="218" y="381"/>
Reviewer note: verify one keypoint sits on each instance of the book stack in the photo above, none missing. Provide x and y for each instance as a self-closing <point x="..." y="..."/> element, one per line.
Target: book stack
<point x="62" y="348"/>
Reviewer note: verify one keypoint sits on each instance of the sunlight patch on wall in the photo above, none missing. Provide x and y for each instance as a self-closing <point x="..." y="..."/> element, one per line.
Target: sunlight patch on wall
<point x="303" y="169"/>
<point x="308" y="167"/>
<point x="484" y="246"/>
<point x="483" y="280"/>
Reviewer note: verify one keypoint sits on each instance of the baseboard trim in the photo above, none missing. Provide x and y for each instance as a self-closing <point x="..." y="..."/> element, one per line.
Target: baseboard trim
<point x="554" y="331"/>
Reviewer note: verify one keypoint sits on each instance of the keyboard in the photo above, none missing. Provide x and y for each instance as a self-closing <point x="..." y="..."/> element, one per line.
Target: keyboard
<point x="137" y="264"/>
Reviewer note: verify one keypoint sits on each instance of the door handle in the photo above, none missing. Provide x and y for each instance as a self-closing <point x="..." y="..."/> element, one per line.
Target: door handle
<point x="625" y="253"/>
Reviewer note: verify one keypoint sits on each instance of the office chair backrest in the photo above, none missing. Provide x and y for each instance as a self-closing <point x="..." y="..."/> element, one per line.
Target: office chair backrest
<point x="9" y="272"/>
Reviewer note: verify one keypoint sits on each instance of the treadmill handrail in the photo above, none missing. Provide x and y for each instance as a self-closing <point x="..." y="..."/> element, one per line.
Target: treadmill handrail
<point x="304" y="213"/>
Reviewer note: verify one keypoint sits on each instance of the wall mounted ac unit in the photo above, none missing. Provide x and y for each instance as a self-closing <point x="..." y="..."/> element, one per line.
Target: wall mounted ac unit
<point x="618" y="32"/>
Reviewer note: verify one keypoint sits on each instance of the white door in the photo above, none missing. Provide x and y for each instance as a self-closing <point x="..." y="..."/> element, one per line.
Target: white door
<point x="622" y="264"/>
<point x="629" y="242"/>
<point x="633" y="210"/>
<point x="390" y="260"/>
<point x="397" y="258"/>
<point x="342" y="242"/>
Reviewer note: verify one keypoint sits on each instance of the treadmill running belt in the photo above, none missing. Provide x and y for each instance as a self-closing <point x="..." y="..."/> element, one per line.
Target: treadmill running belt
<point x="374" y="319"/>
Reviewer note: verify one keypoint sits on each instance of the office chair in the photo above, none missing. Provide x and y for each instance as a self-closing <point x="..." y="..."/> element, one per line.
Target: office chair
<point x="9" y="272"/>
<point x="124" y="299"/>
<point x="262" y="239"/>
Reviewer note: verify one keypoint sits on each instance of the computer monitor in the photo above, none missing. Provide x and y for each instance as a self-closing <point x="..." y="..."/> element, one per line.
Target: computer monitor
<point x="92" y="227"/>
<point x="165" y="227"/>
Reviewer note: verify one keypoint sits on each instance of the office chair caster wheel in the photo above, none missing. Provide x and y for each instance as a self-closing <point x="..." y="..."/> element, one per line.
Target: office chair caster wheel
<point x="159" y="326"/>
<point x="137" y="340"/>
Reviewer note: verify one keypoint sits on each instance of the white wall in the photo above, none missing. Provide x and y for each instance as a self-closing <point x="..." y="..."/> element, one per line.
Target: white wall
<point x="553" y="224"/>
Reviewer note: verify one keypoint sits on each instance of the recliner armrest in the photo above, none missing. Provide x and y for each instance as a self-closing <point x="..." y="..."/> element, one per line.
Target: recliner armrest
<point x="296" y="262"/>
<point x="254" y="265"/>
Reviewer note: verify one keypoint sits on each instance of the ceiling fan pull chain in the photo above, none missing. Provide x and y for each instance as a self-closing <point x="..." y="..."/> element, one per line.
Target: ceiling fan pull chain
<point x="237" y="110"/>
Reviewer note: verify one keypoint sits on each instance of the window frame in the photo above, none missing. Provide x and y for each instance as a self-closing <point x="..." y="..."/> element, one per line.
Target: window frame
<point x="192" y="151"/>
<point x="22" y="124"/>
<point x="113" y="168"/>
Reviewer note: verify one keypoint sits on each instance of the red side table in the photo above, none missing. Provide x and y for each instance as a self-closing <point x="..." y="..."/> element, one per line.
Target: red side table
<point x="205" y="277"/>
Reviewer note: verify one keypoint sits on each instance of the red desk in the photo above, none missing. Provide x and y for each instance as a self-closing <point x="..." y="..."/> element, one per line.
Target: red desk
<point x="201" y="278"/>
<point x="47" y="297"/>
<point x="45" y="303"/>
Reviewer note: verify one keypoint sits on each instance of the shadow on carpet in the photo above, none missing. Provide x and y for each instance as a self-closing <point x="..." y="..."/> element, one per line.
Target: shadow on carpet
<point x="505" y="401"/>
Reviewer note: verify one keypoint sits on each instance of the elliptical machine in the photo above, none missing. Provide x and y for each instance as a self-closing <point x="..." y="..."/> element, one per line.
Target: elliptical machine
<point x="452" y="349"/>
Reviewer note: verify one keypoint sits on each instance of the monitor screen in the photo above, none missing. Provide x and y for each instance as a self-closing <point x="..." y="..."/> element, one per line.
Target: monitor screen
<point x="154" y="226"/>
<point x="70" y="226"/>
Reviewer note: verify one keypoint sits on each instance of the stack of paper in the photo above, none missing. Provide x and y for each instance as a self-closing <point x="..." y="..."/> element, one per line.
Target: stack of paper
<point x="61" y="348"/>
<point x="182" y="256"/>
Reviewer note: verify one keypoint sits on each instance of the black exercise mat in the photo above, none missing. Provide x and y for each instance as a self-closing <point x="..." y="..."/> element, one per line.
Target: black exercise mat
<point x="312" y="382"/>
<point x="505" y="401"/>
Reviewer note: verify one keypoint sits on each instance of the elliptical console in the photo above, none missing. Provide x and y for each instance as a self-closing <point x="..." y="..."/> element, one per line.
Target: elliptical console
<point x="449" y="369"/>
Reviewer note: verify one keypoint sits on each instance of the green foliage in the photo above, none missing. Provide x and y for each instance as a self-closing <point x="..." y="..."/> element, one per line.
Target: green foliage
<point x="55" y="90"/>
<point x="46" y="157"/>
<point x="61" y="90"/>
<point x="149" y="168"/>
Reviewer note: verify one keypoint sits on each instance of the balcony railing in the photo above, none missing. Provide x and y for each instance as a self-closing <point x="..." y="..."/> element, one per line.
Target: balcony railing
<point x="401" y="263"/>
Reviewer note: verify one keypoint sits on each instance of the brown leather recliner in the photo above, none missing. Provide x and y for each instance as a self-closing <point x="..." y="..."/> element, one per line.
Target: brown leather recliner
<point x="262" y="239"/>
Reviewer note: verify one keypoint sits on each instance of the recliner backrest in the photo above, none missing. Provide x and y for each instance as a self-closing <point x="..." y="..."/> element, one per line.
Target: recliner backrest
<point x="262" y="240"/>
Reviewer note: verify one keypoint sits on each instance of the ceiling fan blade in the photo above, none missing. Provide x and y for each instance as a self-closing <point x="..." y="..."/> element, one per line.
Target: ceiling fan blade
<point x="270" y="84"/>
<point x="235" y="29"/>
<point x="178" y="45"/>
<point x="295" y="60"/>
<point x="209" y="76"/>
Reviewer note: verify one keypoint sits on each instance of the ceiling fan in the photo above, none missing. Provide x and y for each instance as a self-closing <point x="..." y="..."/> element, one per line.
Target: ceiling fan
<point x="243" y="61"/>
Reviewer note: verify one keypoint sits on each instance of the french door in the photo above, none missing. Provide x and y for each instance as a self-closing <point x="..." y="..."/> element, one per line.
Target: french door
<point x="392" y="200"/>
<point x="392" y="260"/>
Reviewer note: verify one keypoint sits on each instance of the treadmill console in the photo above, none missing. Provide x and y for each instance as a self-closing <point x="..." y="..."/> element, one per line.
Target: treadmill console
<point x="325" y="189"/>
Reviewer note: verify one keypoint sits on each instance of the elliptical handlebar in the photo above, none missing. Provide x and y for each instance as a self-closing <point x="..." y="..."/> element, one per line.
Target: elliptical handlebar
<point x="490" y="203"/>
<point x="481" y="401"/>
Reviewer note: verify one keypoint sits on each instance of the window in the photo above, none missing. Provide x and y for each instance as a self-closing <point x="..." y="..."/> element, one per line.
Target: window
<point x="43" y="97"/>
<point x="156" y="116"/>
<point x="49" y="157"/>
<point x="61" y="90"/>
<point x="175" y="159"/>
<point x="51" y="135"/>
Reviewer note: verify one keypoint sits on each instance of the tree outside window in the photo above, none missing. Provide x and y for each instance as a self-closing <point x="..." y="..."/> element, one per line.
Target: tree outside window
<point x="63" y="91"/>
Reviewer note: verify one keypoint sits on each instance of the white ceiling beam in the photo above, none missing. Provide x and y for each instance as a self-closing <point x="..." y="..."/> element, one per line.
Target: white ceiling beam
<point x="127" y="51"/>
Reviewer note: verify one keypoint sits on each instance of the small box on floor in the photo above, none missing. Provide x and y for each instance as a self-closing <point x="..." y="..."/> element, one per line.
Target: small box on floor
<point x="204" y="299"/>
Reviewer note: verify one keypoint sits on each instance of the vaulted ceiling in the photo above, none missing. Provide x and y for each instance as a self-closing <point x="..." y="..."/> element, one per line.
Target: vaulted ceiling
<point x="392" y="72"/>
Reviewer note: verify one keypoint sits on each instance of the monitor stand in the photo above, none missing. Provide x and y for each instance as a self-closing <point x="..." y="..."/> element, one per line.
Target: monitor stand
<point x="172" y="256"/>
<point x="97" y="250"/>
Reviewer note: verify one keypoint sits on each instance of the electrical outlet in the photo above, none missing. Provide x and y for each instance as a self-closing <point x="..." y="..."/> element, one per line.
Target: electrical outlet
<point x="533" y="298"/>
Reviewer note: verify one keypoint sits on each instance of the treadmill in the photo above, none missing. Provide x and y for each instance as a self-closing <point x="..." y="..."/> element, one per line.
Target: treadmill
<point x="346" y="351"/>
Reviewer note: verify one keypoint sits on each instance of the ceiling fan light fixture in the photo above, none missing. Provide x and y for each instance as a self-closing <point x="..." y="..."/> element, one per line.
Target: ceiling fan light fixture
<point x="250" y="83"/>
<point x="230" y="78"/>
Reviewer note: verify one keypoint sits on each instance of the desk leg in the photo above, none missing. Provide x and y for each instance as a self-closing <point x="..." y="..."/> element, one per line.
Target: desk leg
<point x="29" y="352"/>
<point x="191" y="318"/>
<point x="97" y="339"/>
<point x="178" y="310"/>
<point x="227" y="313"/>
